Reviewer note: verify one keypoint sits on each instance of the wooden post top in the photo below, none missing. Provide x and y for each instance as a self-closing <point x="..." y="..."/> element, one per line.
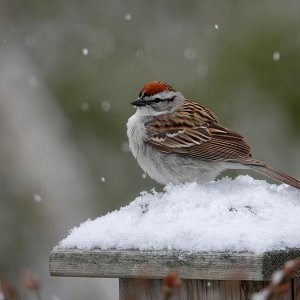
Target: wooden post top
<point x="114" y="263"/>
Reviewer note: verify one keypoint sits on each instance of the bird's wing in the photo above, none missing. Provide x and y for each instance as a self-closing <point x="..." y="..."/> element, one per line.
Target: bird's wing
<point x="193" y="131"/>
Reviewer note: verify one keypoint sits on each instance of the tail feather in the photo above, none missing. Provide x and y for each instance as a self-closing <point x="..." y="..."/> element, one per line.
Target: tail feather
<point x="275" y="174"/>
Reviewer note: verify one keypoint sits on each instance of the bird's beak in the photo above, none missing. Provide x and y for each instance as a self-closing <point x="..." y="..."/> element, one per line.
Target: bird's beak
<point x="139" y="102"/>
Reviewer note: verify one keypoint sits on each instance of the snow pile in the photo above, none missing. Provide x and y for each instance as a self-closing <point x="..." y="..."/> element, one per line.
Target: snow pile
<point x="243" y="214"/>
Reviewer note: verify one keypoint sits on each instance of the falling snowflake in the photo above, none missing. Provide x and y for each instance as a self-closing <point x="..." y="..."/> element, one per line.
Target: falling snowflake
<point x="128" y="17"/>
<point x="37" y="198"/>
<point x="125" y="147"/>
<point x="85" y="51"/>
<point x="103" y="179"/>
<point x="144" y="175"/>
<point x="202" y="69"/>
<point x="106" y="106"/>
<point x="216" y="26"/>
<point x="84" y="106"/>
<point x="189" y="53"/>
<point x="276" y="55"/>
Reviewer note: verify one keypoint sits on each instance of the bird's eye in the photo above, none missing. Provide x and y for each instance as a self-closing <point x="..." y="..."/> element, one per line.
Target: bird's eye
<point x="157" y="100"/>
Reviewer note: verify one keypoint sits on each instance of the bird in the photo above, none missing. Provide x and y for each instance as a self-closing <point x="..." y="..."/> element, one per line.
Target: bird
<point x="177" y="140"/>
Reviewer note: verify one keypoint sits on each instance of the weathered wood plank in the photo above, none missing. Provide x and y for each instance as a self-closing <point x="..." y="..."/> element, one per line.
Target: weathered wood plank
<point x="296" y="283"/>
<point x="150" y="289"/>
<point x="156" y="264"/>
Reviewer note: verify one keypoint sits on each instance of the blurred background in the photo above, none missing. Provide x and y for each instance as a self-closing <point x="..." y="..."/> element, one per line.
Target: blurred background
<point x="68" y="72"/>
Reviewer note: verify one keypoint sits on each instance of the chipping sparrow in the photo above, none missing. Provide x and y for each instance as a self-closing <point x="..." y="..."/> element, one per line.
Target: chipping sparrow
<point x="176" y="140"/>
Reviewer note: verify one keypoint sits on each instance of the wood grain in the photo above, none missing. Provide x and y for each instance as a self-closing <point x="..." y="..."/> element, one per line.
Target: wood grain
<point x="151" y="289"/>
<point x="296" y="287"/>
<point x="156" y="264"/>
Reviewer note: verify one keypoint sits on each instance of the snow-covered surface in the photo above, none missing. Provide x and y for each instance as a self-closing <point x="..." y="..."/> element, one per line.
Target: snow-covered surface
<point x="235" y="215"/>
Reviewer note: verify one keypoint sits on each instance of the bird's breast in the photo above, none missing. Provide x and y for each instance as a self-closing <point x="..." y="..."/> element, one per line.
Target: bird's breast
<point x="136" y="132"/>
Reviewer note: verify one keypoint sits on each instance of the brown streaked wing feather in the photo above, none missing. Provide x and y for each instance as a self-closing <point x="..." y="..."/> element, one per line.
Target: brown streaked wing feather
<point x="195" y="132"/>
<point x="219" y="150"/>
<point x="197" y="110"/>
<point x="184" y="128"/>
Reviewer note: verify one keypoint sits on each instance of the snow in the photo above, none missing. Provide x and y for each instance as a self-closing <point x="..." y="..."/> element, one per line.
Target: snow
<point x="241" y="214"/>
<point x="216" y="26"/>
<point x="84" y="106"/>
<point x="128" y="17"/>
<point x="106" y="105"/>
<point x="37" y="198"/>
<point x="103" y="179"/>
<point x="202" y="69"/>
<point x="189" y="53"/>
<point x="276" y="55"/>
<point x="125" y="147"/>
<point x="85" y="51"/>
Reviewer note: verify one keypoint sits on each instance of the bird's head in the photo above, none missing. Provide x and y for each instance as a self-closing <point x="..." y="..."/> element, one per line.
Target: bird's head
<point x="157" y="97"/>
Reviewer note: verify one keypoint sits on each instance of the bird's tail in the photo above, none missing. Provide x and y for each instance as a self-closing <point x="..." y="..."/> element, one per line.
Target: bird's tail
<point x="275" y="174"/>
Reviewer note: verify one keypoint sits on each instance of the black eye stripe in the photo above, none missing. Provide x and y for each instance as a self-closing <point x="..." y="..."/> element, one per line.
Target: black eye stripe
<point x="157" y="100"/>
<point x="171" y="99"/>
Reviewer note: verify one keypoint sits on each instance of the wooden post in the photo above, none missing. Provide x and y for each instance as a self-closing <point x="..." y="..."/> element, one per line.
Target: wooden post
<point x="205" y="275"/>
